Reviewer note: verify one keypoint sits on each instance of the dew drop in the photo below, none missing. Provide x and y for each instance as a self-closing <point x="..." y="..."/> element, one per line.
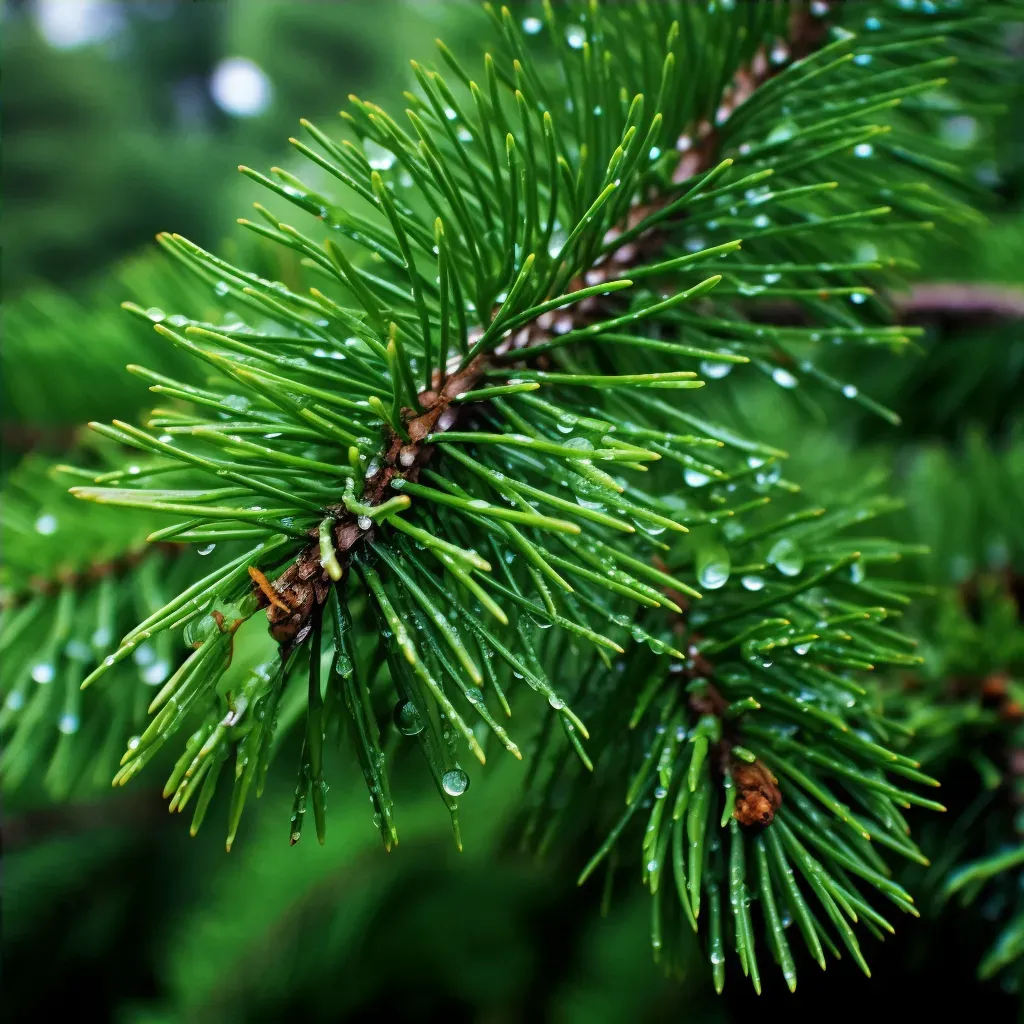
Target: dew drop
<point x="862" y="59"/>
<point x="863" y="150"/>
<point x="786" y="557"/>
<point x="155" y="674"/>
<point x="407" y="718"/>
<point x="43" y="672"/>
<point x="575" y="36"/>
<point x="14" y="701"/>
<point x="694" y="477"/>
<point x="784" y="378"/>
<point x="713" y="574"/>
<point x="849" y="391"/>
<point x="46" y="524"/>
<point x="380" y="158"/>
<point x="455" y="782"/>
<point x="531" y="26"/>
<point x="716" y="371"/>
<point x="752" y="583"/>
<point x="206" y="550"/>
<point x="68" y="723"/>
<point x="556" y="702"/>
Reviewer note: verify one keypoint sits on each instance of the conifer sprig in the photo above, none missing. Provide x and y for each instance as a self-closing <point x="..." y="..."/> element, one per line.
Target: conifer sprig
<point x="462" y="435"/>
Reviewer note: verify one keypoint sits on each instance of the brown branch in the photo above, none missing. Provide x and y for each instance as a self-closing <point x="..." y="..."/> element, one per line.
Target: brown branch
<point x="931" y="303"/>
<point x="960" y="302"/>
<point x="140" y="809"/>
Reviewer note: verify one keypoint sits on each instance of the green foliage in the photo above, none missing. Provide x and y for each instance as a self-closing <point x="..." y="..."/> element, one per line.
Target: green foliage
<point x="966" y="712"/>
<point x="73" y="581"/>
<point x="436" y="451"/>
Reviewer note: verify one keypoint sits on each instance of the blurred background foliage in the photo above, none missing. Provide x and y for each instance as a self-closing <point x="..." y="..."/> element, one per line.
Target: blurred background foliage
<point x="126" y="118"/>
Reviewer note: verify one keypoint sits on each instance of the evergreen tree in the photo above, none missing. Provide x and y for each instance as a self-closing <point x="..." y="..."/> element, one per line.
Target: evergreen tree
<point x="436" y="452"/>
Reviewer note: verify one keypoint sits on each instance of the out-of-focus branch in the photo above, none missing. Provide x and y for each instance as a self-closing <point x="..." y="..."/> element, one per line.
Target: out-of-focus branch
<point x="141" y="809"/>
<point x="944" y="303"/>
<point x="960" y="301"/>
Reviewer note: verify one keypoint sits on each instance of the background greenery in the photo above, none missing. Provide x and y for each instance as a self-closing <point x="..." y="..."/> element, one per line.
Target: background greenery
<point x="108" y="903"/>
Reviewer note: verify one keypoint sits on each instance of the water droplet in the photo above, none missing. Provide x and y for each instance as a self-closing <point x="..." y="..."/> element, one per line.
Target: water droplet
<point x="380" y="158"/>
<point x="784" y="378"/>
<point x="364" y="522"/>
<point x="858" y="298"/>
<point x="43" y="672"/>
<point x="694" y="478"/>
<point x="786" y="557"/>
<point x="752" y="582"/>
<point x="455" y="782"/>
<point x="801" y="648"/>
<point x="407" y="718"/>
<point x="959" y="132"/>
<point x="155" y="674"/>
<point x="849" y="391"/>
<point x="654" y="153"/>
<point x="862" y="59"/>
<point x="236" y="402"/>
<point x="76" y="650"/>
<point x="762" y="220"/>
<point x="715" y="370"/>
<point x="771" y="278"/>
<point x="46" y="524"/>
<point x="144" y="654"/>
<point x="713" y="574"/>
<point x="872" y="24"/>
<point x="863" y="150"/>
<point x="556" y="702"/>
<point x="133" y="743"/>
<point x="68" y="723"/>
<point x="531" y="26"/>
<point x="206" y="550"/>
<point x="575" y="36"/>
<point x="857" y="572"/>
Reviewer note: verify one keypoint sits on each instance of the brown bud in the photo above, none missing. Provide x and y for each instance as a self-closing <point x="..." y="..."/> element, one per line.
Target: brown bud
<point x="757" y="794"/>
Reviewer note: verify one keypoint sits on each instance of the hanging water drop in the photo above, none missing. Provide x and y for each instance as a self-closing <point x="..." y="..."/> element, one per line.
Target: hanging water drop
<point x="784" y="378"/>
<point x="786" y="557"/>
<point x="531" y="26"/>
<point x="407" y="718"/>
<point x="68" y="724"/>
<point x="380" y="159"/>
<point x="455" y="782"/>
<point x="714" y="370"/>
<point x="575" y="36"/>
<point x="46" y="524"/>
<point x="43" y="672"/>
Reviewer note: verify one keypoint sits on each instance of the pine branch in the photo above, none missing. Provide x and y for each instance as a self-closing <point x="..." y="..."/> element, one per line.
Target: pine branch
<point x="506" y="283"/>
